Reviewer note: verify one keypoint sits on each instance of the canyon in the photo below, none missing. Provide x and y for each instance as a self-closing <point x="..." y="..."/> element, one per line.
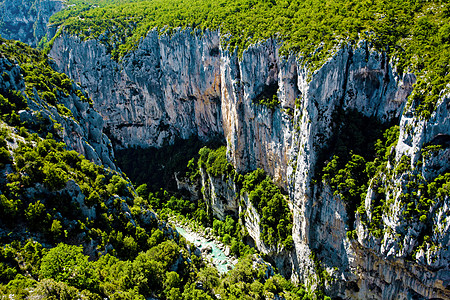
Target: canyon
<point x="189" y="84"/>
<point x="185" y="84"/>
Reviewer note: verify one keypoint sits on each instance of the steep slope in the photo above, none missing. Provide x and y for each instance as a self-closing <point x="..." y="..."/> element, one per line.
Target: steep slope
<point x="27" y="20"/>
<point x="52" y="102"/>
<point x="290" y="148"/>
<point x="154" y="91"/>
<point x="45" y="117"/>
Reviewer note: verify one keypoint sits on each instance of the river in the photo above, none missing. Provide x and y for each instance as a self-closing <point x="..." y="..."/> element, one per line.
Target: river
<point x="222" y="262"/>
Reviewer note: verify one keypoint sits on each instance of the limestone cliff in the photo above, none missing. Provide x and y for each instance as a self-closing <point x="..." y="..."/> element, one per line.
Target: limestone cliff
<point x="26" y="20"/>
<point x="187" y="84"/>
<point x="168" y="88"/>
<point x="47" y="172"/>
<point x="81" y="129"/>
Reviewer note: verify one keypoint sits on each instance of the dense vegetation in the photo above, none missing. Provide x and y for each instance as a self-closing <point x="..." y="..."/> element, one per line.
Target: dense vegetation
<point x="266" y="198"/>
<point x="349" y="176"/>
<point x="271" y="205"/>
<point x="127" y="261"/>
<point x="415" y="34"/>
<point x="70" y="228"/>
<point x="41" y="80"/>
<point x="352" y="177"/>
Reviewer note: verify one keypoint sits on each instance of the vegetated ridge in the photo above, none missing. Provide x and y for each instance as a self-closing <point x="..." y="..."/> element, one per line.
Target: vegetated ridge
<point x="414" y="34"/>
<point x="350" y="190"/>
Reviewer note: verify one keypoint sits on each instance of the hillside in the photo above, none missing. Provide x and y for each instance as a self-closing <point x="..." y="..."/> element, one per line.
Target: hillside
<point x="414" y="34"/>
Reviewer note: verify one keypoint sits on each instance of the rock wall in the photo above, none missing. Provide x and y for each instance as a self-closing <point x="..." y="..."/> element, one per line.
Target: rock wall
<point x="168" y="88"/>
<point x="221" y="194"/>
<point x="256" y="135"/>
<point x="186" y="84"/>
<point x="82" y="132"/>
<point x="26" y="20"/>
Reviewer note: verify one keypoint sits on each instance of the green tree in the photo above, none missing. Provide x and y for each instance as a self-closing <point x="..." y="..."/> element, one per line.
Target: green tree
<point x="172" y="281"/>
<point x="142" y="191"/>
<point x="55" y="177"/>
<point x="35" y="214"/>
<point x="67" y="263"/>
<point x="56" y="229"/>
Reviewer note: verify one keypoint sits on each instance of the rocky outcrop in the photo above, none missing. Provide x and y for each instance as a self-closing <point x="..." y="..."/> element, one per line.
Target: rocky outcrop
<point x="187" y="84"/>
<point x="26" y="20"/>
<point x="221" y="194"/>
<point x="258" y="136"/>
<point x="82" y="130"/>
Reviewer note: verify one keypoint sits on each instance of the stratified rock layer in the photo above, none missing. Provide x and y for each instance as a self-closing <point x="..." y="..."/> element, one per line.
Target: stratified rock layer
<point x="168" y="88"/>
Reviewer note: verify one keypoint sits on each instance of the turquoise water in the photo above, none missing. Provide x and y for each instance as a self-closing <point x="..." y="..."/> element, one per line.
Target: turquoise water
<point x="220" y="260"/>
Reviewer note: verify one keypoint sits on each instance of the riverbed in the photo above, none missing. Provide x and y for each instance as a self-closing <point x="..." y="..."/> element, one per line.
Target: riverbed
<point x="210" y="250"/>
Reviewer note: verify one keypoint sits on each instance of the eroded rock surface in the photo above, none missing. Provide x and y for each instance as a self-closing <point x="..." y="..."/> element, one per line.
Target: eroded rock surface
<point x="186" y="84"/>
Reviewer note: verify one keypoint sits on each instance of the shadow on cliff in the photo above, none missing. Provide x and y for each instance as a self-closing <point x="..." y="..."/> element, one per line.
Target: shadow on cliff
<point x="156" y="166"/>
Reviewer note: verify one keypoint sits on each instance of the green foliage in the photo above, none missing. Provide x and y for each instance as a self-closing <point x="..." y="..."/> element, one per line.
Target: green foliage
<point x="142" y="190"/>
<point x="430" y="149"/>
<point x="35" y="214"/>
<point x="20" y="286"/>
<point x="420" y="195"/>
<point x="140" y="263"/>
<point x="9" y="209"/>
<point x="51" y="289"/>
<point x="76" y="208"/>
<point x="156" y="167"/>
<point x="351" y="181"/>
<point x="53" y="215"/>
<point x="64" y="111"/>
<point x="415" y="33"/>
<point x="268" y="96"/>
<point x="403" y="165"/>
<point x="270" y="103"/>
<point x="249" y="280"/>
<point x="67" y="263"/>
<point x="361" y="150"/>
<point x="232" y="234"/>
<point x="55" y="178"/>
<point x="271" y="204"/>
<point x="39" y="77"/>
<point x="11" y="101"/>
<point x="215" y="161"/>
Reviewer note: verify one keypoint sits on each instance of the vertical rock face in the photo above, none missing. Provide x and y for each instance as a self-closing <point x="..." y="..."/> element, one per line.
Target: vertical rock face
<point x="222" y="194"/>
<point x="258" y="136"/>
<point x="26" y="20"/>
<point x="168" y="88"/>
<point x="186" y="84"/>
